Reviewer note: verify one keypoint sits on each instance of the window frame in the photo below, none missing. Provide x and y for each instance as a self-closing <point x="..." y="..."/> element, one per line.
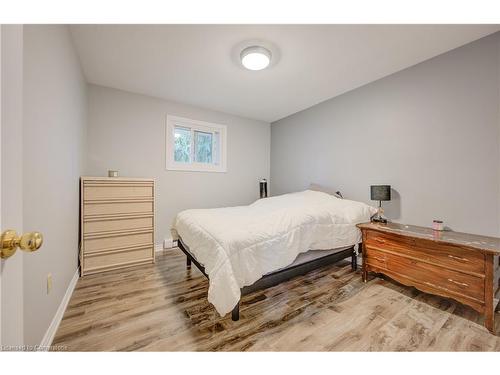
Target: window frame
<point x="195" y="125"/>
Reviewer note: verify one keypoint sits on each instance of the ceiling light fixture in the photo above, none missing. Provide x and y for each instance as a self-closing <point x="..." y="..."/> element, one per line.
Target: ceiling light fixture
<point x="255" y="58"/>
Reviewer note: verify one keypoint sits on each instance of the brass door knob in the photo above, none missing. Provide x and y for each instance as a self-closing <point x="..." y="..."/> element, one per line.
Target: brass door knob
<point x="10" y="241"/>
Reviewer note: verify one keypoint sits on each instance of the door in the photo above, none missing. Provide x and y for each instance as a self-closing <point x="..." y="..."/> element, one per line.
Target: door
<point x="11" y="98"/>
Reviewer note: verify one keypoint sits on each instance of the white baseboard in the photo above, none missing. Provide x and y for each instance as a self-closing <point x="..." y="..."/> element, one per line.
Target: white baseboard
<point x="54" y="325"/>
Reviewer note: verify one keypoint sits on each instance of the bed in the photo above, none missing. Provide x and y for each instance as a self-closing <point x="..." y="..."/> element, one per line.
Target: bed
<point x="246" y="248"/>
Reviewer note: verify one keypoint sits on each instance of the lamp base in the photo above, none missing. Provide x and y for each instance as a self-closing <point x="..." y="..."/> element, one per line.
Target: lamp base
<point x="378" y="216"/>
<point x="379" y="219"/>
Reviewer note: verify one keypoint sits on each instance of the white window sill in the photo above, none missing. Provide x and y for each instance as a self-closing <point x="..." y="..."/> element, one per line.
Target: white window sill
<point x="195" y="168"/>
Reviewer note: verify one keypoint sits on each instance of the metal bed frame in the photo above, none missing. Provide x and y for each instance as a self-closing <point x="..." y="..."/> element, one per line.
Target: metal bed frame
<point x="279" y="276"/>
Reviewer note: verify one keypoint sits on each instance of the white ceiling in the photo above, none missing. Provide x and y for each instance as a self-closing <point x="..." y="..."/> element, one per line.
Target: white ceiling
<point x="197" y="64"/>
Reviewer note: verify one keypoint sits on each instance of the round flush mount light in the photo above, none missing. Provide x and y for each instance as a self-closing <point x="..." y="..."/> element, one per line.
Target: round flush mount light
<point x="255" y="57"/>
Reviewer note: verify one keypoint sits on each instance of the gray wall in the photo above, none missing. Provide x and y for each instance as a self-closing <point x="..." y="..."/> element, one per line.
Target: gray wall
<point x="54" y="135"/>
<point x="126" y="132"/>
<point x="431" y="131"/>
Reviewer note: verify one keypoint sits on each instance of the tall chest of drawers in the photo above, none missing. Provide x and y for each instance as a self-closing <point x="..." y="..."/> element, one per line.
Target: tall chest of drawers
<point x="116" y="223"/>
<point x="461" y="266"/>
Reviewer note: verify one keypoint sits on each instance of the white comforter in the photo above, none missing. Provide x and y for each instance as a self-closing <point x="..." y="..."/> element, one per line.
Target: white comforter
<point x="238" y="245"/>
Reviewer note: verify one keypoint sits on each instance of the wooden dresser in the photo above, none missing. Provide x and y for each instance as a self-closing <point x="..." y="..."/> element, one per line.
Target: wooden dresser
<point x="461" y="266"/>
<point x="117" y="223"/>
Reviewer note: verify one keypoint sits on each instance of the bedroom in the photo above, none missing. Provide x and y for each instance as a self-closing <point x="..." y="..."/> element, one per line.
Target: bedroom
<point x="250" y="187"/>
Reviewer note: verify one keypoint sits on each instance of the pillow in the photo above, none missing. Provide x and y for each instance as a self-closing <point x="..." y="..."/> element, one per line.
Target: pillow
<point x="324" y="189"/>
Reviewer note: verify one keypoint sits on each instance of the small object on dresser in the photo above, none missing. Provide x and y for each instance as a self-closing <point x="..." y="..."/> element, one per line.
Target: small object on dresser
<point x="437" y="225"/>
<point x="112" y="173"/>
<point x="380" y="193"/>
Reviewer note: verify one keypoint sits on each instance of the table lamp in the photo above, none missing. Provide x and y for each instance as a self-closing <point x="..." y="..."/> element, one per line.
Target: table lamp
<point x="380" y="193"/>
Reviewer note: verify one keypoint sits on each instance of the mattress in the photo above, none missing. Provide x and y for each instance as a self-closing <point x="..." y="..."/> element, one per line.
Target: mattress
<point x="239" y="245"/>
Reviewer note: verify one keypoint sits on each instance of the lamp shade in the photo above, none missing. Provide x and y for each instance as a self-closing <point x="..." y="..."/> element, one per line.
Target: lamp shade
<point x="380" y="192"/>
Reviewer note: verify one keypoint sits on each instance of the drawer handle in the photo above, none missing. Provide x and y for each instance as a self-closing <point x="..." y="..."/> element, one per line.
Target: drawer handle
<point x="379" y="259"/>
<point x="458" y="283"/>
<point x="458" y="258"/>
<point x="379" y="240"/>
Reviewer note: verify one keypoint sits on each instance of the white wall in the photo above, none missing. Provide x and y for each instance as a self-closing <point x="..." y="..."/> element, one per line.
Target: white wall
<point x="127" y="132"/>
<point x="431" y="131"/>
<point x="55" y="108"/>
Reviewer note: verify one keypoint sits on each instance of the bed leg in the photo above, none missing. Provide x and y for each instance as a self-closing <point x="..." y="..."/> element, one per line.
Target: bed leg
<point x="188" y="263"/>
<point x="235" y="314"/>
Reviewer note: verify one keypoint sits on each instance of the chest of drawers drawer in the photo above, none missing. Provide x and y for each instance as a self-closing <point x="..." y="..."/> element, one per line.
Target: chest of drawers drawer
<point x="112" y="190"/>
<point x="107" y="242"/>
<point x="99" y="225"/>
<point x="97" y="262"/>
<point x="444" y="255"/>
<point x="96" y="208"/>
<point x="431" y="275"/>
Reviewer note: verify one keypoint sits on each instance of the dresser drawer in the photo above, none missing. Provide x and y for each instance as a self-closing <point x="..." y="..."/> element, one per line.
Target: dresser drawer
<point x="109" y="225"/>
<point x="433" y="276"/>
<point x="101" y="243"/>
<point x="449" y="256"/>
<point x="395" y="242"/>
<point x="116" y="208"/>
<point x="117" y="191"/>
<point x="375" y="257"/>
<point x="453" y="256"/>
<point x="107" y="260"/>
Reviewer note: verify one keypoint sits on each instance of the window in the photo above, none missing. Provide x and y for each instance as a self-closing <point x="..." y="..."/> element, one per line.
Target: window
<point x="195" y="145"/>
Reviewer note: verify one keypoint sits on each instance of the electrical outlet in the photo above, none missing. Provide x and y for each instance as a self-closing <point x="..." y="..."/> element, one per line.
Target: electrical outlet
<point x="49" y="283"/>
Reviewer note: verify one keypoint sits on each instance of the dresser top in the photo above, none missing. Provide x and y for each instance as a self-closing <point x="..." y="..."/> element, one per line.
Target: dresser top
<point x="115" y="178"/>
<point x="483" y="243"/>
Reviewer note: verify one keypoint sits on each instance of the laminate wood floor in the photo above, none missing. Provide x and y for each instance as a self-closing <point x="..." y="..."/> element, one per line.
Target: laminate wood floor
<point x="163" y="307"/>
